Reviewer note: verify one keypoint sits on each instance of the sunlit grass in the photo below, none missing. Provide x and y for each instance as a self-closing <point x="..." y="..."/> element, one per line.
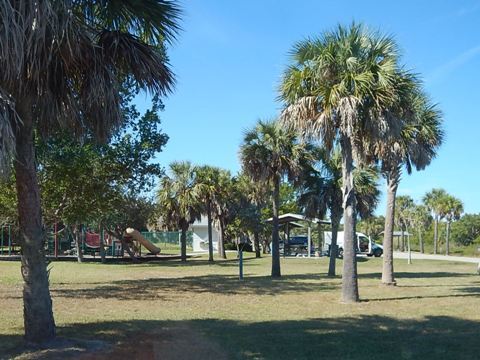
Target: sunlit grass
<point x="436" y="303"/>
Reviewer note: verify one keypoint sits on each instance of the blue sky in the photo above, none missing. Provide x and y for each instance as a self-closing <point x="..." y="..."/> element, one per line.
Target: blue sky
<point x="231" y="54"/>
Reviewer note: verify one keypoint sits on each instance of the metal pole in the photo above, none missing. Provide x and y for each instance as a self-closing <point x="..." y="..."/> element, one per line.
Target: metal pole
<point x="9" y="240"/>
<point x="309" y="240"/>
<point x="1" y="248"/>
<point x="240" y="264"/>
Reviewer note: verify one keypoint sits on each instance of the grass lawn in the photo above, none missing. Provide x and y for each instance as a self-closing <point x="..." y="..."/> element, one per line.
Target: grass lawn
<point x="168" y="310"/>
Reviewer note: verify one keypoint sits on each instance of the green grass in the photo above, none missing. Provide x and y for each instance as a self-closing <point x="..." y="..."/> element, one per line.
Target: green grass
<point x="433" y="313"/>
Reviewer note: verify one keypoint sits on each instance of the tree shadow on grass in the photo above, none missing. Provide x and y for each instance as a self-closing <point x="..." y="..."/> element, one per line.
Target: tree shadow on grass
<point x="171" y="288"/>
<point x="417" y="275"/>
<point x="191" y="262"/>
<point x="364" y="337"/>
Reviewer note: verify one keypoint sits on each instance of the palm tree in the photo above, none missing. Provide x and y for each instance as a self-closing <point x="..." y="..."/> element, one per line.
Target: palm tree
<point x="253" y="199"/>
<point x="433" y="200"/>
<point x="179" y="200"/>
<point x="452" y="209"/>
<point x="223" y="206"/>
<point x="403" y="216"/>
<point x="269" y="153"/>
<point x="321" y="190"/>
<point x="421" y="219"/>
<point x="344" y="86"/>
<point x="207" y="178"/>
<point x="63" y="64"/>
<point x="416" y="146"/>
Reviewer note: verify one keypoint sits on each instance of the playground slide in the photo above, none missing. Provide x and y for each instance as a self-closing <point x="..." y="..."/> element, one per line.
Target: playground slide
<point x="135" y="234"/>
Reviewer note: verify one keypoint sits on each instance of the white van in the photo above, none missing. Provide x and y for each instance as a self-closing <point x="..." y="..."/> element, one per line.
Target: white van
<point x="365" y="245"/>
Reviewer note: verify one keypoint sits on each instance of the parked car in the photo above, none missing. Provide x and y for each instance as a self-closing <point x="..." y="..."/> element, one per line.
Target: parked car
<point x="365" y="245"/>
<point x="297" y="244"/>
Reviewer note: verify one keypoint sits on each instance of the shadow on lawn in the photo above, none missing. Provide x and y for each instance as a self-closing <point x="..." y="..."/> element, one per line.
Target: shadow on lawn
<point x="170" y="288"/>
<point x="365" y="337"/>
<point x="417" y="275"/>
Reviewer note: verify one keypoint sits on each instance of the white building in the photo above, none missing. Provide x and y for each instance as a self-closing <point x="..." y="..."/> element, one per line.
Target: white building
<point x="200" y="235"/>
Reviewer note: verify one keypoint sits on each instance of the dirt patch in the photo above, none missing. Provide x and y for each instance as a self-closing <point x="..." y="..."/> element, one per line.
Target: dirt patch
<point x="168" y="343"/>
<point x="62" y="348"/>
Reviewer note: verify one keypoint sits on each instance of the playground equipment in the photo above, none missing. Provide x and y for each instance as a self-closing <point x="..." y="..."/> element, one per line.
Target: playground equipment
<point x="61" y="242"/>
<point x="137" y="236"/>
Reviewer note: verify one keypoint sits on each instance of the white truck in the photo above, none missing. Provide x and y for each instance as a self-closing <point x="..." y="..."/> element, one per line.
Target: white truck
<point x="365" y="245"/>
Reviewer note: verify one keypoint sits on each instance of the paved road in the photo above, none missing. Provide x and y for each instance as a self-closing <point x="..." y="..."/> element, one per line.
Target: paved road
<point x="415" y="255"/>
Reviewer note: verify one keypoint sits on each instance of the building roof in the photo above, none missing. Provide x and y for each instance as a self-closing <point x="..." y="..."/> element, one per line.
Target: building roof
<point x="399" y="233"/>
<point x="288" y="218"/>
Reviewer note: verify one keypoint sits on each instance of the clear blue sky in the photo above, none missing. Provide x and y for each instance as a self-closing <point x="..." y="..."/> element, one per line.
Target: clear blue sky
<point x="231" y="54"/>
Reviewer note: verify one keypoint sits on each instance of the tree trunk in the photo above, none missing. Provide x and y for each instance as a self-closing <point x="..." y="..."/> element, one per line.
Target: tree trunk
<point x="183" y="241"/>
<point x="275" y="236"/>
<point x="349" y="276"/>
<point x="447" y="239"/>
<point x="256" y="243"/>
<point x="102" y="245"/>
<point x="402" y="239"/>
<point x="221" y="241"/>
<point x="333" y="244"/>
<point x="392" y="184"/>
<point x="210" y="237"/>
<point x="78" y="245"/>
<point x="420" y="237"/>
<point x="409" y="249"/>
<point x="37" y="303"/>
<point x="435" y="235"/>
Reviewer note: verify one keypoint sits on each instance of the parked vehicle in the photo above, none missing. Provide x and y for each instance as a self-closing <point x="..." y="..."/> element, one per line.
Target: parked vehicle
<point x="365" y="245"/>
<point x="296" y="245"/>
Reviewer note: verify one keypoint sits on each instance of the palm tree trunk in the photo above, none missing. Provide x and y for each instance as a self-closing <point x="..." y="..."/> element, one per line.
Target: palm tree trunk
<point x="435" y="235"/>
<point x="37" y="303"/>
<point x="102" y="246"/>
<point x="183" y="241"/>
<point x="221" y="241"/>
<point x="402" y="239"/>
<point x="409" y="249"/>
<point x="210" y="238"/>
<point x="275" y="236"/>
<point x="336" y="217"/>
<point x="392" y="185"/>
<point x="78" y="246"/>
<point x="447" y="239"/>
<point x="420" y="237"/>
<point x="349" y="276"/>
<point x="256" y="244"/>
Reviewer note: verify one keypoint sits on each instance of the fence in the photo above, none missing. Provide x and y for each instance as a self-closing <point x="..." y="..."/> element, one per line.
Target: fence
<point x="168" y="241"/>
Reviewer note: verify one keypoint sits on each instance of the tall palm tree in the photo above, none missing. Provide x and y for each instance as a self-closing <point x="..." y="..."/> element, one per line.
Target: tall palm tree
<point x="63" y="64"/>
<point x="433" y="200"/>
<point x="403" y="216"/>
<point x="254" y="198"/>
<point x="452" y="209"/>
<point x="321" y="190"/>
<point x="416" y="146"/>
<point x="344" y="86"/>
<point x="269" y="153"/>
<point x="421" y="219"/>
<point x="224" y="206"/>
<point x="179" y="200"/>
<point x="208" y="178"/>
